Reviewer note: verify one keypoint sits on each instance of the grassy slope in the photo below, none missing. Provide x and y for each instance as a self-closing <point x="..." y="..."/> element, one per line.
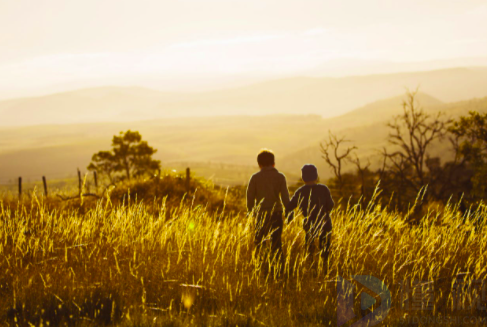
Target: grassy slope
<point x="164" y="263"/>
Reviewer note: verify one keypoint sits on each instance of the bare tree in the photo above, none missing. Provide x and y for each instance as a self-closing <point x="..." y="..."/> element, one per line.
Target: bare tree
<point x="412" y="133"/>
<point x="334" y="157"/>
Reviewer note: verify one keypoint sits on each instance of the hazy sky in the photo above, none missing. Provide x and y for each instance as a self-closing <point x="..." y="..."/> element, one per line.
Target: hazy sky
<point x="51" y="42"/>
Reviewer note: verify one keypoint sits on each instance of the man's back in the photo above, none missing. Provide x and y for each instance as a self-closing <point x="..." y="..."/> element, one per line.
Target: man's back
<point x="269" y="186"/>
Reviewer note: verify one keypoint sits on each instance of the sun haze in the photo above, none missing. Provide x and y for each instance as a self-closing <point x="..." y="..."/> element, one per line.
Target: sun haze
<point x="192" y="45"/>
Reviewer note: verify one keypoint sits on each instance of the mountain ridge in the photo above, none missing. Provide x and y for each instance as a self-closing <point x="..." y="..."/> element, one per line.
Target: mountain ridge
<point x="327" y="97"/>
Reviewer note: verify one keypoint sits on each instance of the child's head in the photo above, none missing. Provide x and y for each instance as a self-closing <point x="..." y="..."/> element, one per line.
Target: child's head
<point x="265" y="158"/>
<point x="309" y="173"/>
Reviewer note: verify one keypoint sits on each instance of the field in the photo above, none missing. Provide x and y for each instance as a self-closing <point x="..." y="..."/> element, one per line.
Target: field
<point x="146" y="254"/>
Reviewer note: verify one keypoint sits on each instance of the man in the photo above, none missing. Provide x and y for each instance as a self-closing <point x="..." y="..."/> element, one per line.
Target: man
<point x="267" y="193"/>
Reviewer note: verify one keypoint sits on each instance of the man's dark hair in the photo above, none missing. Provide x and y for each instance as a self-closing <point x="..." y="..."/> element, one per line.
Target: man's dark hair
<point x="265" y="158"/>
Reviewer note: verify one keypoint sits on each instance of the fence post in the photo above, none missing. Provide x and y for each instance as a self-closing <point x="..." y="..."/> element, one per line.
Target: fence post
<point x="45" y="184"/>
<point x="79" y="182"/>
<point x="20" y="187"/>
<point x="188" y="177"/>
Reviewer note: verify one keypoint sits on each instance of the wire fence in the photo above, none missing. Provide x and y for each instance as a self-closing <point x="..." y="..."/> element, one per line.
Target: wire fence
<point x="48" y="182"/>
<point x="82" y="183"/>
<point x="32" y="178"/>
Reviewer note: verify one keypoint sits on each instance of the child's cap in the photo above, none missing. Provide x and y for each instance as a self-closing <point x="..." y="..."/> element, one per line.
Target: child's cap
<point x="309" y="173"/>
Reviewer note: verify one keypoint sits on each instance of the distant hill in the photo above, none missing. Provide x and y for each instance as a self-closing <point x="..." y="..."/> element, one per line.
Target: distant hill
<point x="223" y="147"/>
<point x="86" y="105"/>
<point x="381" y="110"/>
<point x="351" y="67"/>
<point x="326" y="97"/>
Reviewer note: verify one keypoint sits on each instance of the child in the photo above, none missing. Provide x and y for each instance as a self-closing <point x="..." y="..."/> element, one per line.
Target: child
<point x="315" y="202"/>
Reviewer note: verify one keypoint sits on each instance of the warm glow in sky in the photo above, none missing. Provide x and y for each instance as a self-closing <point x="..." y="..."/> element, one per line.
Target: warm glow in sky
<point x="45" y="43"/>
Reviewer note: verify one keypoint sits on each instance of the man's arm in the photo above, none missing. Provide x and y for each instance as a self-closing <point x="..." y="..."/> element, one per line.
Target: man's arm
<point x="285" y="198"/>
<point x="284" y="192"/>
<point x="251" y="193"/>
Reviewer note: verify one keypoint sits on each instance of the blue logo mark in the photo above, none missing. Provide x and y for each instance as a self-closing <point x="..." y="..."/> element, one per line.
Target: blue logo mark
<point x="346" y="295"/>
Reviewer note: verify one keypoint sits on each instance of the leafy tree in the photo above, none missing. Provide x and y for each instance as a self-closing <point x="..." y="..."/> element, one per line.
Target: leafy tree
<point x="103" y="162"/>
<point x="471" y="145"/>
<point x="129" y="155"/>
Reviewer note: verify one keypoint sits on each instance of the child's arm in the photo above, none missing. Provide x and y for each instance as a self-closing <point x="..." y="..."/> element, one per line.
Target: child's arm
<point x="293" y="203"/>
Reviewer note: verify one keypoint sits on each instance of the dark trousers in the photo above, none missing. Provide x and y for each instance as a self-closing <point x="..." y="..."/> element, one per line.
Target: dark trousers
<point x="323" y="236"/>
<point x="268" y="229"/>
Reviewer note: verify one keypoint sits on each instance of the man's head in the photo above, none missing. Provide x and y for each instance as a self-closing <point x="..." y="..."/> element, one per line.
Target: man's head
<point x="265" y="158"/>
<point x="309" y="173"/>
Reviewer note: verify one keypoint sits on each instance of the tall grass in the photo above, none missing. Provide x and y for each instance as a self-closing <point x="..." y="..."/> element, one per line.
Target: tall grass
<point x="157" y="262"/>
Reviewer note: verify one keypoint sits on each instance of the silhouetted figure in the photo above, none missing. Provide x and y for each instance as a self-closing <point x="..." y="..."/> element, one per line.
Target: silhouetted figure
<point x="315" y="202"/>
<point x="268" y="188"/>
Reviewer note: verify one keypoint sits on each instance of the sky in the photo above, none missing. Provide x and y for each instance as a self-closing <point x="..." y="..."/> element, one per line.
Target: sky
<point x="50" y="44"/>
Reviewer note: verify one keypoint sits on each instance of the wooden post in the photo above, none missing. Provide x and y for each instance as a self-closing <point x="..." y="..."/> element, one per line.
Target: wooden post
<point x="79" y="181"/>
<point x="188" y="177"/>
<point x="96" y="180"/>
<point x="20" y="187"/>
<point x="45" y="184"/>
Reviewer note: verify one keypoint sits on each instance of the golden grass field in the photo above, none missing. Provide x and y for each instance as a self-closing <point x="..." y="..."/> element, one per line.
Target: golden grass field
<point x="177" y="260"/>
